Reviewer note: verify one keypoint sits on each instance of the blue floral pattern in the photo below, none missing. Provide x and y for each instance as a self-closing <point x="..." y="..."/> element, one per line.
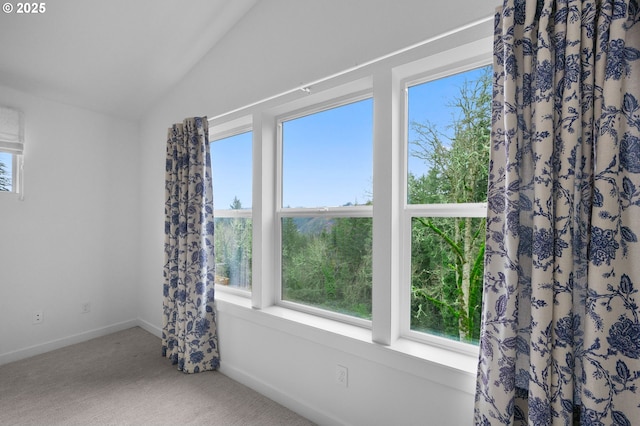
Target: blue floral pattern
<point x="560" y="340"/>
<point x="189" y="333"/>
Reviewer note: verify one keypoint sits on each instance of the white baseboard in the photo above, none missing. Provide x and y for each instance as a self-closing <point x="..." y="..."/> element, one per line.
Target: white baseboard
<point x="65" y="341"/>
<point x="282" y="398"/>
<point x="145" y="325"/>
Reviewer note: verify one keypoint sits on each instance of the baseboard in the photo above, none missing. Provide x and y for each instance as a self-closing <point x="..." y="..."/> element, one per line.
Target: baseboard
<point x="282" y="398"/>
<point x="65" y="341"/>
<point x="145" y="325"/>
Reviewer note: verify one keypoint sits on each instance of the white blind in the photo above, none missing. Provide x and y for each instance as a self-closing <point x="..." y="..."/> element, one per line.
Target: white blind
<point x="11" y="130"/>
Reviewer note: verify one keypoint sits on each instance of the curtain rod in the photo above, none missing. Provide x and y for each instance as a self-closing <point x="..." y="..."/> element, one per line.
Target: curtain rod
<point x="306" y="87"/>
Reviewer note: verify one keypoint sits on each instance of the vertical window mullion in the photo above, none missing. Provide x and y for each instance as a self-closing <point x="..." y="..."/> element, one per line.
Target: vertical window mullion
<point x="405" y="217"/>
<point x="386" y="208"/>
<point x="264" y="211"/>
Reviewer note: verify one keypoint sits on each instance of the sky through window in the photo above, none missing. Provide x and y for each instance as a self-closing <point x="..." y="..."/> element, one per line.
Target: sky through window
<point x="328" y="156"/>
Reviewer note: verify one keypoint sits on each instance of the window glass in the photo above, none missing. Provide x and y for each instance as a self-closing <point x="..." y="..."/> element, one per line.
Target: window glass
<point x="449" y="130"/>
<point x="449" y="123"/>
<point x="231" y="167"/>
<point x="327" y="163"/>
<point x="327" y="157"/>
<point x="233" y="251"/>
<point x="6" y="172"/>
<point x="447" y="256"/>
<point x="326" y="263"/>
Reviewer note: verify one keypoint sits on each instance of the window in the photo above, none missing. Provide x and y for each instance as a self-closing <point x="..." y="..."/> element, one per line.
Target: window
<point x="448" y="128"/>
<point x="7" y="175"/>
<point x="358" y="217"/>
<point x="231" y="166"/>
<point x="11" y="142"/>
<point x="325" y="217"/>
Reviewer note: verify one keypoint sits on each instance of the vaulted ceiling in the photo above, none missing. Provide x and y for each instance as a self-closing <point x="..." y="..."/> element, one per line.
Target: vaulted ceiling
<point x="112" y="56"/>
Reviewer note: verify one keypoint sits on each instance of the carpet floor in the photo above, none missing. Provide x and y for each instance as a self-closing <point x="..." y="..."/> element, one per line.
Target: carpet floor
<point x="121" y="379"/>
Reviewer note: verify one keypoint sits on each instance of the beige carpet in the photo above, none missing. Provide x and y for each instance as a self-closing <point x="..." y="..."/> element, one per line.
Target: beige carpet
<point x="122" y="379"/>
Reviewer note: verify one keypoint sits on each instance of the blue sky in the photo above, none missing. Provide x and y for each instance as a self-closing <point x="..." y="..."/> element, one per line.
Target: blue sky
<point x="231" y="166"/>
<point x="328" y="156"/>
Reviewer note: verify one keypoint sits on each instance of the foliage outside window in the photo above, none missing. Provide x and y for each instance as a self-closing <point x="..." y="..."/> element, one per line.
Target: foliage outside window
<point x="231" y="166"/>
<point x="325" y="219"/>
<point x="449" y="123"/>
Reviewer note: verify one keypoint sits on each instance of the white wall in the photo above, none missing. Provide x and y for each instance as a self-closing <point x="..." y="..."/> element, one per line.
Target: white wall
<point x="74" y="238"/>
<point x="282" y="44"/>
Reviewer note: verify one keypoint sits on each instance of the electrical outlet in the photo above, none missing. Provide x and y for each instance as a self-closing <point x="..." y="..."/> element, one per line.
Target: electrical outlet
<point x="38" y="317"/>
<point x="342" y="376"/>
<point x="85" y="308"/>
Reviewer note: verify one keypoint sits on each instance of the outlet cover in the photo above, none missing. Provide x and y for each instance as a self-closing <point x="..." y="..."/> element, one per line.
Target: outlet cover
<point x="342" y="376"/>
<point x="38" y="317"/>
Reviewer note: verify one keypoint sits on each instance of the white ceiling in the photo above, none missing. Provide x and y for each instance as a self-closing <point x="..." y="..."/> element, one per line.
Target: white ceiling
<point x="112" y="56"/>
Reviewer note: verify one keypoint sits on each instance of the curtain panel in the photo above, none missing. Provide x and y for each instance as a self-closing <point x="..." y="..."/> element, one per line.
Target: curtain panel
<point x="189" y="333"/>
<point x="560" y="340"/>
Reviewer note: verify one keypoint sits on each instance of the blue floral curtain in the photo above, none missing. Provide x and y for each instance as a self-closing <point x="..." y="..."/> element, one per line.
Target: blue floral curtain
<point x="189" y="336"/>
<point x="560" y="340"/>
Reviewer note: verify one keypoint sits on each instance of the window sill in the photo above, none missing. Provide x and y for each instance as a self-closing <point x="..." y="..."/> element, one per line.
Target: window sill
<point x="441" y="365"/>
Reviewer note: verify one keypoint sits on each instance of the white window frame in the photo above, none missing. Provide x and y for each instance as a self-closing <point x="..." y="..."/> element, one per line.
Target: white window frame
<point x="410" y="211"/>
<point x="12" y="142"/>
<point x="352" y="94"/>
<point x="387" y="79"/>
<point x="17" y="175"/>
<point x="216" y="133"/>
<point x="17" y="161"/>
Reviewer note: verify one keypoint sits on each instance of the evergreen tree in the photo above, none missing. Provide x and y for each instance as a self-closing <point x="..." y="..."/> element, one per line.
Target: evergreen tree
<point x="235" y="204"/>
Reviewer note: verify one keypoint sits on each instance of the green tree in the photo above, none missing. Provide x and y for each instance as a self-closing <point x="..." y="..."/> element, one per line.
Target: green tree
<point x="447" y="297"/>
<point x="327" y="263"/>
<point x="233" y="249"/>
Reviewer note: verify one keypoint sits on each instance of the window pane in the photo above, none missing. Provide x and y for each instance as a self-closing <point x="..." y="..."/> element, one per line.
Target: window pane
<point x="449" y="131"/>
<point x="326" y="263"/>
<point x="233" y="252"/>
<point x="6" y="171"/>
<point x="446" y="276"/>
<point x="328" y="157"/>
<point x="232" y="172"/>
